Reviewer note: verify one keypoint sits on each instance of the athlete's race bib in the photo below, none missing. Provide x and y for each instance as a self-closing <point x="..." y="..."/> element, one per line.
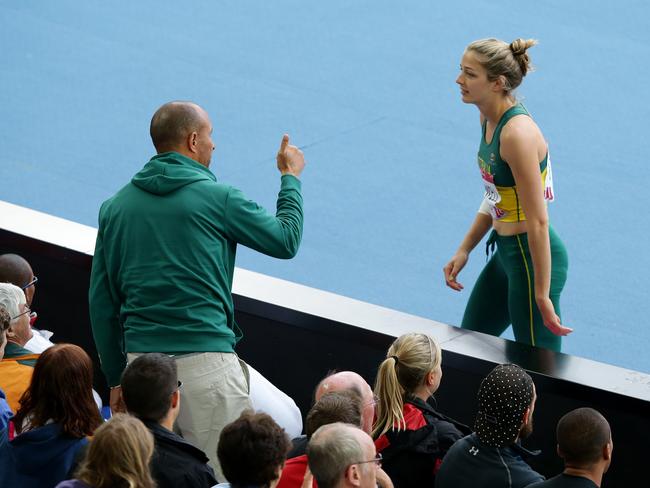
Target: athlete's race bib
<point x="492" y="195"/>
<point x="492" y="198"/>
<point x="549" y="194"/>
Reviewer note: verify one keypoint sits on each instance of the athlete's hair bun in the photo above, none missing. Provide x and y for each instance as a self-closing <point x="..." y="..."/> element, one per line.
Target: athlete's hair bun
<point x="519" y="48"/>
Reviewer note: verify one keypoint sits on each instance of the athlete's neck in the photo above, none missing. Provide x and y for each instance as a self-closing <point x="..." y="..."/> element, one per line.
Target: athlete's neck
<point x="493" y="110"/>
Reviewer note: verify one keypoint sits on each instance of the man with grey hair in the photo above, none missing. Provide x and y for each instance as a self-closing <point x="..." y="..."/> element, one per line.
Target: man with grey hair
<point x="342" y="455"/>
<point x="164" y="263"/>
<point x="17" y="365"/>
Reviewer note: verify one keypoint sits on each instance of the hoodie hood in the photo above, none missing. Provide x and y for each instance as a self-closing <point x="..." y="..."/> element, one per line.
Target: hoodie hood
<point x="167" y="172"/>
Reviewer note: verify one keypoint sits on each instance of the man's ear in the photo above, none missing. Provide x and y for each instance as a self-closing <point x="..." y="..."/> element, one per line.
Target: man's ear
<point x="191" y="141"/>
<point x="176" y="398"/>
<point x="353" y="475"/>
<point x="524" y="419"/>
<point x="607" y="451"/>
<point x="10" y="333"/>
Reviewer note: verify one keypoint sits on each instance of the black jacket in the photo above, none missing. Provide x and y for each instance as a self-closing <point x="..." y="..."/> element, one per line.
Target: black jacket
<point x="176" y="463"/>
<point x="411" y="457"/>
<point x="469" y="463"/>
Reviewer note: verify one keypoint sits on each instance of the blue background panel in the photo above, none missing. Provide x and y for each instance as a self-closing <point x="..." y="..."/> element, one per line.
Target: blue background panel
<point x="367" y="87"/>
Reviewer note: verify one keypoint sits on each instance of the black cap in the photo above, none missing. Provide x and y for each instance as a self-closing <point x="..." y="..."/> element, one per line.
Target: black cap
<point x="503" y="397"/>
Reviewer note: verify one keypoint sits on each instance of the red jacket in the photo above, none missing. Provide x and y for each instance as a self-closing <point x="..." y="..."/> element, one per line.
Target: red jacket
<point x="412" y="457"/>
<point x="294" y="473"/>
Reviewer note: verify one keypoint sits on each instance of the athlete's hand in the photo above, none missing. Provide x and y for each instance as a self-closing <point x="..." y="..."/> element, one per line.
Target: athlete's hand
<point x="291" y="160"/>
<point x="454" y="267"/>
<point x="550" y="318"/>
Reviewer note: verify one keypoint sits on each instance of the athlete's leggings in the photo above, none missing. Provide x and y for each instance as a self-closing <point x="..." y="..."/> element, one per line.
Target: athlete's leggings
<point x="504" y="293"/>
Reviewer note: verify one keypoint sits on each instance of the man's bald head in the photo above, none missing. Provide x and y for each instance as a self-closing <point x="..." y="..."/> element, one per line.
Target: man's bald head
<point x="16" y="270"/>
<point x="349" y="380"/>
<point x="172" y="124"/>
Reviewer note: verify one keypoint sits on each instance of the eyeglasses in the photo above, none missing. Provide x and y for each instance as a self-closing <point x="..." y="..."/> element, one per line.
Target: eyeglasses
<point x="26" y="311"/>
<point x="180" y="385"/>
<point x="377" y="460"/>
<point x="31" y="283"/>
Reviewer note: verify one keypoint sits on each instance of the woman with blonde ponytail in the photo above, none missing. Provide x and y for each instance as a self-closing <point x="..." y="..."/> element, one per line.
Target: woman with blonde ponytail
<point x="522" y="282"/>
<point x="410" y="434"/>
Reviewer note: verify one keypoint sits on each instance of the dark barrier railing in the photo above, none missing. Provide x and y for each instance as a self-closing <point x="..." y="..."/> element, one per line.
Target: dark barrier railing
<point x="294" y="344"/>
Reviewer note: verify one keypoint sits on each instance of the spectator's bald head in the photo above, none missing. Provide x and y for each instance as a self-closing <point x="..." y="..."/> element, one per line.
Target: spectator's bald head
<point x="584" y="438"/>
<point x="349" y="380"/>
<point x="173" y="123"/>
<point x="16" y="270"/>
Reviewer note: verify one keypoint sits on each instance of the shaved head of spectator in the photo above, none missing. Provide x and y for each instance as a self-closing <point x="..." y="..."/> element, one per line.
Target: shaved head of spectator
<point x="584" y="439"/>
<point x="185" y="128"/>
<point x="349" y="380"/>
<point x="16" y="270"/>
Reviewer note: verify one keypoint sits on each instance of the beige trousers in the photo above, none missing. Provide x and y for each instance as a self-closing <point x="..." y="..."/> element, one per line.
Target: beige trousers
<point x="215" y="392"/>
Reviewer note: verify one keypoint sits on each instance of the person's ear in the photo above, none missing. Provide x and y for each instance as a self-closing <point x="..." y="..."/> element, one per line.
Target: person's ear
<point x="191" y="141"/>
<point x="176" y="398"/>
<point x="526" y="416"/>
<point x="353" y="475"/>
<point x="607" y="451"/>
<point x="499" y="84"/>
<point x="10" y="333"/>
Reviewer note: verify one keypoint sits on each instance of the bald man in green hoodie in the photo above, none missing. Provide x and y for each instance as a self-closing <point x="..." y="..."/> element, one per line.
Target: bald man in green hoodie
<point x="163" y="268"/>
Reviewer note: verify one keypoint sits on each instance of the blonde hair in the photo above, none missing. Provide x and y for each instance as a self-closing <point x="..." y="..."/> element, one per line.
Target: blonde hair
<point x="408" y="360"/>
<point x="502" y="59"/>
<point x="119" y="455"/>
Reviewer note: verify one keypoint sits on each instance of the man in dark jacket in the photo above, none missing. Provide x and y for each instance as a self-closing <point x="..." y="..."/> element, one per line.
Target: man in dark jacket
<point x="493" y="456"/>
<point x="584" y="442"/>
<point x="150" y="390"/>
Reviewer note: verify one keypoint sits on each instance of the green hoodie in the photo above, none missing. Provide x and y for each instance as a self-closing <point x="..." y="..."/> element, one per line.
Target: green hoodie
<point x="165" y="255"/>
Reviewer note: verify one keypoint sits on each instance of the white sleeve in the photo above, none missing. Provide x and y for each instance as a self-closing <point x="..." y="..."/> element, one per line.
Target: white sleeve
<point x="485" y="207"/>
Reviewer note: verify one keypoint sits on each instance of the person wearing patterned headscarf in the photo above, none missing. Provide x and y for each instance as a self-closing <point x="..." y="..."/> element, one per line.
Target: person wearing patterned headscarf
<point x="493" y="455"/>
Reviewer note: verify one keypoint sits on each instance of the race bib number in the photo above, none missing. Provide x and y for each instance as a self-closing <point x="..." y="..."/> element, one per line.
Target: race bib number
<point x="492" y="197"/>
<point x="549" y="193"/>
<point x="491" y="193"/>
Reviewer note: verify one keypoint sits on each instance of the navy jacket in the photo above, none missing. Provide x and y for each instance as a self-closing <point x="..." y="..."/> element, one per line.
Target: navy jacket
<point x="39" y="458"/>
<point x="5" y="410"/>
<point x="469" y="463"/>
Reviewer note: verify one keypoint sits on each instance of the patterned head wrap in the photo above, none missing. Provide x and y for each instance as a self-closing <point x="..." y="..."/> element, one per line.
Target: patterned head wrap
<point x="503" y="397"/>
